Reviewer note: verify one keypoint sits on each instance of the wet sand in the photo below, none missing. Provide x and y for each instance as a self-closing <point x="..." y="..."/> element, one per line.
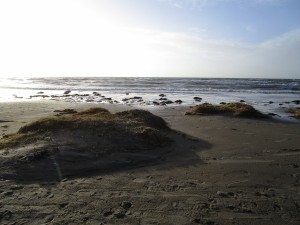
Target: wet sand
<point x="220" y="170"/>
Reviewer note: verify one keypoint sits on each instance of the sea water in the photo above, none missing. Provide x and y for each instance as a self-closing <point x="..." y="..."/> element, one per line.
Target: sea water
<point x="267" y="95"/>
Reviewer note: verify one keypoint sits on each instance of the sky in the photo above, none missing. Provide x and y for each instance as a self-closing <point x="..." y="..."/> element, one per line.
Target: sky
<point x="176" y="38"/>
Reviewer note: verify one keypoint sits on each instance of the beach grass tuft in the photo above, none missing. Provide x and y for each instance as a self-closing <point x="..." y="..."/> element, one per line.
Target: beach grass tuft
<point x="235" y="108"/>
<point x="144" y="117"/>
<point x="295" y="112"/>
<point x="48" y="124"/>
<point x="94" y="111"/>
<point x="129" y="125"/>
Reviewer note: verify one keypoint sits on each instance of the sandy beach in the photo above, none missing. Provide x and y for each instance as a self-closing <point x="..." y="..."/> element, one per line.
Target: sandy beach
<point x="217" y="170"/>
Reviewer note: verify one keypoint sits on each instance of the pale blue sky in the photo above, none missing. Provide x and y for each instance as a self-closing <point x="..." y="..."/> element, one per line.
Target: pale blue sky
<point x="204" y="38"/>
<point x="245" y="20"/>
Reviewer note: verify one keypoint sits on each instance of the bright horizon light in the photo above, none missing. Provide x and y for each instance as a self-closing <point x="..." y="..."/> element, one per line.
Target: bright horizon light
<point x="107" y="38"/>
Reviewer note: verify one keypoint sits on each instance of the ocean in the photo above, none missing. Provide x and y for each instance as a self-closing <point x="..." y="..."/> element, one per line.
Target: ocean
<point x="267" y="95"/>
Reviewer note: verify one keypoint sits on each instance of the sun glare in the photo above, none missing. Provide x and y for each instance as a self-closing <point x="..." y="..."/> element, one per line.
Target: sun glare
<point x="78" y="38"/>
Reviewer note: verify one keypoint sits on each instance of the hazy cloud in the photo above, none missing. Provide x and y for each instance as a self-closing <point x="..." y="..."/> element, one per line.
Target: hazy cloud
<point x="187" y="54"/>
<point x="78" y="39"/>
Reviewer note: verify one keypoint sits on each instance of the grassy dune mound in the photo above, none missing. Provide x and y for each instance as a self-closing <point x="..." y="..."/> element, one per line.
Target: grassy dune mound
<point x="235" y="109"/>
<point x="98" y="121"/>
<point x="87" y="140"/>
<point x="295" y="112"/>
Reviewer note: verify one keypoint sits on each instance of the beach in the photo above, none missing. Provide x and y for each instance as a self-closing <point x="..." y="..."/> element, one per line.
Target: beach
<point x="217" y="170"/>
<point x="162" y="112"/>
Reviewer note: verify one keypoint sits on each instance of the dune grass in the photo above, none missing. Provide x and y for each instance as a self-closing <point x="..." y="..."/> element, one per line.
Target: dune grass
<point x="236" y="109"/>
<point x="295" y="112"/>
<point x="143" y="117"/>
<point x="94" y="111"/>
<point x="99" y="122"/>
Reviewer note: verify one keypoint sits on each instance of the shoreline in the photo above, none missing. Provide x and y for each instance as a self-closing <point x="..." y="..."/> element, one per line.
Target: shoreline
<point x="239" y="171"/>
<point x="268" y="101"/>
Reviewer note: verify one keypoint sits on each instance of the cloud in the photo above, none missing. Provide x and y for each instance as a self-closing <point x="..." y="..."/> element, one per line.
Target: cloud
<point x="184" y="54"/>
<point x="85" y="42"/>
<point x="280" y="55"/>
<point x="144" y="52"/>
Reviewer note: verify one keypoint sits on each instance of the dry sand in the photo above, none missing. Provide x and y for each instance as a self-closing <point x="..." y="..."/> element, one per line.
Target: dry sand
<point x="222" y="171"/>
